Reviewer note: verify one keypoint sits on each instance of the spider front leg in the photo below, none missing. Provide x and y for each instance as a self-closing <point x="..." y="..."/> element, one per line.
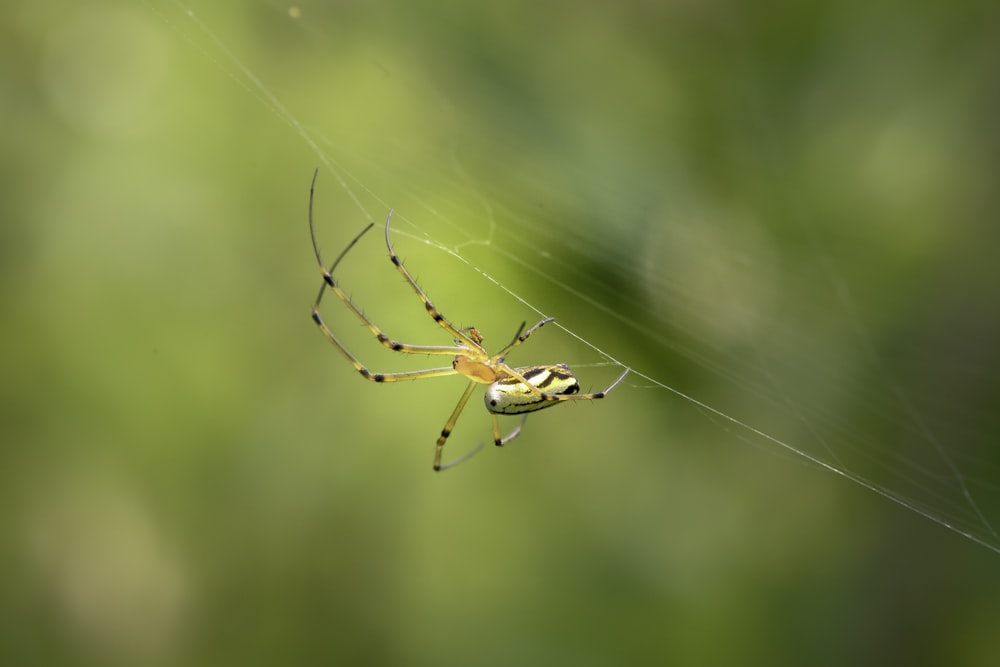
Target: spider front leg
<point x="331" y="284"/>
<point x="458" y="334"/>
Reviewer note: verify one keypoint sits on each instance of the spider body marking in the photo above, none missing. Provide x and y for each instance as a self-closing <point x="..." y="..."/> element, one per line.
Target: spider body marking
<point x="510" y="391"/>
<point x="509" y="396"/>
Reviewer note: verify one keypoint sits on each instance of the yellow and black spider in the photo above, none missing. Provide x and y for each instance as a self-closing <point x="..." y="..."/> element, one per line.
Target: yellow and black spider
<point x="511" y="391"/>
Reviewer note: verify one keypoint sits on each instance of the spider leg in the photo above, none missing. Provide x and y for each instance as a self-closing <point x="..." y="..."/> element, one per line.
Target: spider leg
<point x="399" y="347"/>
<point x="521" y="337"/>
<point x="312" y="233"/>
<point x="327" y="275"/>
<point x="385" y="377"/>
<point x="450" y="424"/>
<point x="329" y="282"/>
<point x="435" y="314"/>
<point x="500" y="442"/>
<point x="461" y="459"/>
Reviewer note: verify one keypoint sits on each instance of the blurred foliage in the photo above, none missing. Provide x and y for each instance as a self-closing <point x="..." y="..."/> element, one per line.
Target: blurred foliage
<point x="786" y="211"/>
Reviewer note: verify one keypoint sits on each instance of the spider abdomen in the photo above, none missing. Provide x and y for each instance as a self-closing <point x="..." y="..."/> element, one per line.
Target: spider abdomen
<point x="510" y="396"/>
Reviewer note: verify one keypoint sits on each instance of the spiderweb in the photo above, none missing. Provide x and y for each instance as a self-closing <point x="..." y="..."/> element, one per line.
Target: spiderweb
<point x="783" y="317"/>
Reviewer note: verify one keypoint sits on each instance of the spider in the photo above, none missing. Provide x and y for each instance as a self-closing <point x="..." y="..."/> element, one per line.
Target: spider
<point x="510" y="391"/>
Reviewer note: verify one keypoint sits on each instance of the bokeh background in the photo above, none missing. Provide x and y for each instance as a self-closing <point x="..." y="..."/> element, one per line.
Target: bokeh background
<point x="784" y="211"/>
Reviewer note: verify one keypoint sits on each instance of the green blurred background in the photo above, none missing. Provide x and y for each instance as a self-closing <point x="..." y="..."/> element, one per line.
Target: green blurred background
<point x="784" y="211"/>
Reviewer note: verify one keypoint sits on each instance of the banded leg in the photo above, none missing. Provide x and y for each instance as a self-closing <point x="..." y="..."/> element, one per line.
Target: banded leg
<point x="498" y="441"/>
<point x="331" y="283"/>
<point x="450" y="424"/>
<point x="521" y="337"/>
<point x="395" y="346"/>
<point x="435" y="314"/>
<point x="380" y="377"/>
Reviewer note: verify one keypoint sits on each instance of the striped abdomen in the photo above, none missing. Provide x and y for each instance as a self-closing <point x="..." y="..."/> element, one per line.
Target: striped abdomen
<point x="510" y="396"/>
